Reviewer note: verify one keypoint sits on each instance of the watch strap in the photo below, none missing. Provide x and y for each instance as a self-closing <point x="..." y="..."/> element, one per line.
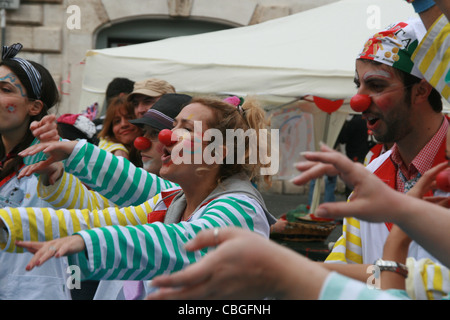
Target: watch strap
<point x="392" y="266"/>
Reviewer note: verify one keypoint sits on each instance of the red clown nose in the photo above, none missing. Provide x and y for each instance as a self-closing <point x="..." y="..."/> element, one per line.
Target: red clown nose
<point x="142" y="143"/>
<point x="165" y="137"/>
<point x="443" y="180"/>
<point x="360" y="102"/>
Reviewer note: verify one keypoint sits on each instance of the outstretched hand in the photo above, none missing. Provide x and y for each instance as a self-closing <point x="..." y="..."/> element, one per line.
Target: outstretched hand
<point x="44" y="251"/>
<point x="368" y="190"/>
<point x="56" y="151"/>
<point x="46" y="129"/>
<point x="228" y="272"/>
<point x="371" y="200"/>
<point x="244" y="265"/>
<point x="312" y="169"/>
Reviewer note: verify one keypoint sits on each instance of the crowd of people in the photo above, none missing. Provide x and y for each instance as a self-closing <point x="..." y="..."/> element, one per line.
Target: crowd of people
<point x="110" y="197"/>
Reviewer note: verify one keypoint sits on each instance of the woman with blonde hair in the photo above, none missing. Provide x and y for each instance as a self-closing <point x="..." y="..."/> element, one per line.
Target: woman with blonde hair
<point x="209" y="195"/>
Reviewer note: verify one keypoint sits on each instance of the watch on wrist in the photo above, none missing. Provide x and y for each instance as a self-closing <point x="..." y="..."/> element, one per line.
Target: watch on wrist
<point x="392" y="266"/>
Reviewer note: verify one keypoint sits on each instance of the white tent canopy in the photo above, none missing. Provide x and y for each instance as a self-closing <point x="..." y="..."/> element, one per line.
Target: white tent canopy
<point x="309" y="53"/>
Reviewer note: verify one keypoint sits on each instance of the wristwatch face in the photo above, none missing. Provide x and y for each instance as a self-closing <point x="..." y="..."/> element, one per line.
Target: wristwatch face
<point x="384" y="263"/>
<point x="393" y="266"/>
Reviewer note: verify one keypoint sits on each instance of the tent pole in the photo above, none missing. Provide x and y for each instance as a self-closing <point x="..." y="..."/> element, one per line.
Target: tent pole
<point x="317" y="188"/>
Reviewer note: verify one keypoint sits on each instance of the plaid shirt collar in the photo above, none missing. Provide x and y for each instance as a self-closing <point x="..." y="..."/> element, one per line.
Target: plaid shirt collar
<point x="408" y="175"/>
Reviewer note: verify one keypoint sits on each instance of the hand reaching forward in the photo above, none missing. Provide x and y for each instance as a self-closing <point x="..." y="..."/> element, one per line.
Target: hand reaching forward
<point x="44" y="251"/>
<point x="369" y="192"/>
<point x="221" y="274"/>
<point x="46" y="129"/>
<point x="245" y="265"/>
<point x="371" y="200"/>
<point x="56" y="151"/>
<point x="311" y="170"/>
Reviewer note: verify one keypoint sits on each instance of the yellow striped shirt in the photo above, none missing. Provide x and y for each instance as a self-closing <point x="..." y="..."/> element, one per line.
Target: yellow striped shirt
<point x="111" y="146"/>
<point x="432" y="56"/>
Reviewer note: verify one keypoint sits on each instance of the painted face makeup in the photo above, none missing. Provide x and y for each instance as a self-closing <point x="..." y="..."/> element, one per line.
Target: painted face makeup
<point x="11" y="78"/>
<point x="381" y="82"/>
<point x="191" y="144"/>
<point x="387" y="115"/>
<point x="147" y="165"/>
<point x="189" y="147"/>
<point x="11" y="109"/>
<point x="377" y="73"/>
<point x="361" y="102"/>
<point x="377" y="83"/>
<point x="151" y="157"/>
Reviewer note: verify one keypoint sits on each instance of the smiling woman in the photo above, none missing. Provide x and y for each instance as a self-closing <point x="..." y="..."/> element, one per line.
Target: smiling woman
<point x="118" y="134"/>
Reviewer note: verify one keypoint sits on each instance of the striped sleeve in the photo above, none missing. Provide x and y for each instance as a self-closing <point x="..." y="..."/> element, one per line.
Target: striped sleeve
<point x="348" y="248"/>
<point x="142" y="252"/>
<point x="29" y="160"/>
<point x="111" y="146"/>
<point x="69" y="193"/>
<point x="43" y="224"/>
<point x="116" y="178"/>
<point x="427" y="280"/>
<point x="339" y="287"/>
<point x="433" y="56"/>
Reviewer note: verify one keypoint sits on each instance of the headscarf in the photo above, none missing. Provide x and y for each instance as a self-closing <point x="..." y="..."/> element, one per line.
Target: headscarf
<point x="9" y="53"/>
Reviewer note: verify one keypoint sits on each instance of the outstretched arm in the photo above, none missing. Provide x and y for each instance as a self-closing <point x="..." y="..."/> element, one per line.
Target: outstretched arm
<point x="236" y="268"/>
<point x="57" y="151"/>
<point x="143" y="251"/>
<point x="27" y="224"/>
<point x="372" y="200"/>
<point x="115" y="178"/>
<point x="242" y="259"/>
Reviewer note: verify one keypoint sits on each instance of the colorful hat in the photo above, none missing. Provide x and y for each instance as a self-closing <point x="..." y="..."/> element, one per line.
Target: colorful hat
<point x="76" y="126"/>
<point x="395" y="45"/>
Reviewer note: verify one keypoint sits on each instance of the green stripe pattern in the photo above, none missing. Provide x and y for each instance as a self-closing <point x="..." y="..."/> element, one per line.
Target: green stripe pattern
<point x="144" y="251"/>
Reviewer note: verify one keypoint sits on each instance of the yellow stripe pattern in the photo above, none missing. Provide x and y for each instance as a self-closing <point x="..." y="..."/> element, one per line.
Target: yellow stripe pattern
<point x="43" y="224"/>
<point x="432" y="56"/>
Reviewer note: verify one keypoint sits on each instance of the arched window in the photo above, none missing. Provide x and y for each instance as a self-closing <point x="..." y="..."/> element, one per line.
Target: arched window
<point x="151" y="29"/>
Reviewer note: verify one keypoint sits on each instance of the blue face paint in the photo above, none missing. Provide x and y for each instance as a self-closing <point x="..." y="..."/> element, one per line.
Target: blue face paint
<point x="12" y="78"/>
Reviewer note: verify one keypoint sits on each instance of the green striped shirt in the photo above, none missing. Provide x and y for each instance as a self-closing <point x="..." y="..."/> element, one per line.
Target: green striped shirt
<point x="144" y="251"/>
<point x="116" y="178"/>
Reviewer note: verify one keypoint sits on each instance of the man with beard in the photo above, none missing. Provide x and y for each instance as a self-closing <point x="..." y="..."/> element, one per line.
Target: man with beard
<point x="399" y="107"/>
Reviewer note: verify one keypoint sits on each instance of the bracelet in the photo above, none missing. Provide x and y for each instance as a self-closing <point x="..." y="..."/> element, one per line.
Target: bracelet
<point x="392" y="266"/>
